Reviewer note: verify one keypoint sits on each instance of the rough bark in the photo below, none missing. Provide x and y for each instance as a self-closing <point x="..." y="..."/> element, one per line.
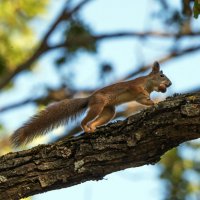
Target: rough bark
<point x="139" y="140"/>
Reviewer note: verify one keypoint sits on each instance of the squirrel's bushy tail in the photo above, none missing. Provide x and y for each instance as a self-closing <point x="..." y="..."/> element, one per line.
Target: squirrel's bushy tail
<point x="53" y="116"/>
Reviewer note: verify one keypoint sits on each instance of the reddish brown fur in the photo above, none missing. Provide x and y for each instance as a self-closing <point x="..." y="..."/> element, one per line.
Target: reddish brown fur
<point x="102" y="102"/>
<point x="101" y="106"/>
<point x="53" y="116"/>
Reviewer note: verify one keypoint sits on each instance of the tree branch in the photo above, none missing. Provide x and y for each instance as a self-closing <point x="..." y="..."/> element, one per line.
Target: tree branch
<point x="65" y="15"/>
<point x="132" y="34"/>
<point x="43" y="47"/>
<point x="53" y="95"/>
<point x="147" y="34"/>
<point x="139" y="140"/>
<point x="175" y="54"/>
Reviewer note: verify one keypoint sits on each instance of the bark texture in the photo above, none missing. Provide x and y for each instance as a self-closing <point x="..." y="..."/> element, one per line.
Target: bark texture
<point x="139" y="140"/>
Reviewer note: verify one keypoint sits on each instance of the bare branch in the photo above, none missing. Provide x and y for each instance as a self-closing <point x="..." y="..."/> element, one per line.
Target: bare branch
<point x="16" y="105"/>
<point x="139" y="140"/>
<point x="53" y="95"/>
<point x="132" y="34"/>
<point x="146" y="34"/>
<point x="64" y="15"/>
<point x="175" y="54"/>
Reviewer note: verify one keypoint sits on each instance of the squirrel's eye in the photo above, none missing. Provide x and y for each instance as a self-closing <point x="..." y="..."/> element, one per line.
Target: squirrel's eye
<point x="162" y="75"/>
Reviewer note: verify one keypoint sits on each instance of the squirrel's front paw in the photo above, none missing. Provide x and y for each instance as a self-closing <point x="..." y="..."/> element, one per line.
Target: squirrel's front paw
<point x="86" y="129"/>
<point x="89" y="128"/>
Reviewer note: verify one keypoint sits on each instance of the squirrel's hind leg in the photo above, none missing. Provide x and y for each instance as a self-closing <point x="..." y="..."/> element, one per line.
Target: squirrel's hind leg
<point x="104" y="117"/>
<point x="93" y="112"/>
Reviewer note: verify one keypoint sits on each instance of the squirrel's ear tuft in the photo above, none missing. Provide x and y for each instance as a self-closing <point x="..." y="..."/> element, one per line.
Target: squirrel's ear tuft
<point x="155" y="68"/>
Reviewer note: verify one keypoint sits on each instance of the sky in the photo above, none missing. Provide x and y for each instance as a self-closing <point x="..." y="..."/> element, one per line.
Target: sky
<point x="106" y="16"/>
<point x="138" y="183"/>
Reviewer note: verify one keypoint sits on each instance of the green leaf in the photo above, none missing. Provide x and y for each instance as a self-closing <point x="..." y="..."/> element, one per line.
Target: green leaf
<point x="77" y="34"/>
<point x="196" y="9"/>
<point x="2" y="65"/>
<point x="16" y="31"/>
<point x="61" y="60"/>
<point x="1" y="127"/>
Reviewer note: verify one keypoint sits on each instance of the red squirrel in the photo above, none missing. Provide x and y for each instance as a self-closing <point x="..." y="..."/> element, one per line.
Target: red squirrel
<point x="101" y="106"/>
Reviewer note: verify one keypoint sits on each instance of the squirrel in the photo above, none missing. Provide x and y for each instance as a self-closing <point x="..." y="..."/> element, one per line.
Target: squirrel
<point x="101" y="106"/>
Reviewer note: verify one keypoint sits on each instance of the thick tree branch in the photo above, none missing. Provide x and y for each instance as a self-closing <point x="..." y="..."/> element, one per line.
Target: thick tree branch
<point x="141" y="139"/>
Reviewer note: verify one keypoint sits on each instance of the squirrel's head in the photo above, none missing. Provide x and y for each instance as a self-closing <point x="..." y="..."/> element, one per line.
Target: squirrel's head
<point x="158" y="79"/>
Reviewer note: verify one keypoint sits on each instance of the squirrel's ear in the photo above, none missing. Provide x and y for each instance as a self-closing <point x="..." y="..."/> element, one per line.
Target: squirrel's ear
<point x="155" y="68"/>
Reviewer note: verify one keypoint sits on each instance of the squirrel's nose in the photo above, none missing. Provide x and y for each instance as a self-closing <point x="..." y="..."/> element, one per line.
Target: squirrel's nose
<point x="169" y="84"/>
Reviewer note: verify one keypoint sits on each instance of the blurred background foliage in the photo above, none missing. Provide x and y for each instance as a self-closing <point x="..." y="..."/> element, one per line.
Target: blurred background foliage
<point x="16" y="35"/>
<point x="67" y="36"/>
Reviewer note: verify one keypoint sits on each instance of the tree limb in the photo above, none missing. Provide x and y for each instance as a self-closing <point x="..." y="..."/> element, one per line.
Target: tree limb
<point x="125" y="34"/>
<point x="139" y="140"/>
<point x="132" y="74"/>
<point x="174" y="54"/>
<point x="147" y="34"/>
<point x="53" y="95"/>
<point x="43" y="46"/>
